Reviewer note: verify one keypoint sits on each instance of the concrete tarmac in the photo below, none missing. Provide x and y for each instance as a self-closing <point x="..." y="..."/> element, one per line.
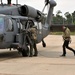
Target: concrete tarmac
<point x="48" y="61"/>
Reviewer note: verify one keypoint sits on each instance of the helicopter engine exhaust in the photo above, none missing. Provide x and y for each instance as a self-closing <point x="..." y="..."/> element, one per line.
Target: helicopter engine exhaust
<point x="29" y="12"/>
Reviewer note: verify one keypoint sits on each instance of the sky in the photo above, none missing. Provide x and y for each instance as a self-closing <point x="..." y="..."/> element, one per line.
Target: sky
<point x="63" y="5"/>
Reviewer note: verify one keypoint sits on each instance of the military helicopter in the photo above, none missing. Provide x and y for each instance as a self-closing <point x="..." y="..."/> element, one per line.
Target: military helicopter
<point x="14" y="22"/>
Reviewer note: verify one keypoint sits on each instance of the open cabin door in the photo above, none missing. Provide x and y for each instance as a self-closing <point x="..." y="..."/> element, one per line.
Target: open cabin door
<point x="9" y="31"/>
<point x="39" y="31"/>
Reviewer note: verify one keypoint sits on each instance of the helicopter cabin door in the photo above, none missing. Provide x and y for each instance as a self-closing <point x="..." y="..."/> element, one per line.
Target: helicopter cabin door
<point x="9" y="29"/>
<point x="39" y="32"/>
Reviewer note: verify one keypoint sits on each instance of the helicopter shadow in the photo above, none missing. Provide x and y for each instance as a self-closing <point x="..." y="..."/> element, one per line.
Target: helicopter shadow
<point x="6" y="55"/>
<point x="55" y="54"/>
<point x="49" y="54"/>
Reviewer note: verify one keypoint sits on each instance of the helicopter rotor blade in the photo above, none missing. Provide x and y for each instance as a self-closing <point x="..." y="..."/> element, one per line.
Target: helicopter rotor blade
<point x="46" y="2"/>
<point x="43" y="9"/>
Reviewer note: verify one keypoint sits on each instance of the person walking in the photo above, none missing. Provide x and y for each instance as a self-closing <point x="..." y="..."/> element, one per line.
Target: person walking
<point x="67" y="39"/>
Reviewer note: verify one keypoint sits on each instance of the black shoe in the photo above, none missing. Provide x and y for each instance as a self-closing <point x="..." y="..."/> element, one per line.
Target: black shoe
<point x="63" y="55"/>
<point x="35" y="55"/>
<point x="74" y="53"/>
<point x="30" y="55"/>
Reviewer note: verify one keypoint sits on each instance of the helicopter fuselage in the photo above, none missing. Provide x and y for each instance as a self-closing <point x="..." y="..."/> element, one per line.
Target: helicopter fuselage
<point x="10" y="30"/>
<point x="14" y="26"/>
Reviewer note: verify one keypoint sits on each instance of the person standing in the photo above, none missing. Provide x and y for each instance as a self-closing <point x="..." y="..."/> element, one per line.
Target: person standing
<point x="34" y="39"/>
<point x="67" y="39"/>
<point x="33" y="30"/>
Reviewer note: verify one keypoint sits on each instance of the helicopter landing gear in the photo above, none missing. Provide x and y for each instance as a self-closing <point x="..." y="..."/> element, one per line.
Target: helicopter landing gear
<point x="43" y="43"/>
<point x="24" y="52"/>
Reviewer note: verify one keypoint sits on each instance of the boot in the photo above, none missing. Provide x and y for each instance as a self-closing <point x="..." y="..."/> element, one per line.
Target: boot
<point x="63" y="55"/>
<point x="74" y="52"/>
<point x="36" y="53"/>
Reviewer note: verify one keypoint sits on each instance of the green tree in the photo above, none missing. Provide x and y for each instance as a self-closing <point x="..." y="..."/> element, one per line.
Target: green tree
<point x="68" y="18"/>
<point x="73" y="17"/>
<point x="58" y="12"/>
<point x="58" y="19"/>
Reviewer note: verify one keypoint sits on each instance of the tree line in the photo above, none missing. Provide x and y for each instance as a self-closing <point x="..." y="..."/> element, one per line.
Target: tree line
<point x="68" y="19"/>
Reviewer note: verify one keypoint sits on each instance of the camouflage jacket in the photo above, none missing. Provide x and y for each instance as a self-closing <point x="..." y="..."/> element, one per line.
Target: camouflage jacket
<point x="33" y="33"/>
<point x="66" y="34"/>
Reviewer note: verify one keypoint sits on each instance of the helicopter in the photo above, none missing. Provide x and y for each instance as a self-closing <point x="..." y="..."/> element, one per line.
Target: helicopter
<point x="14" y="23"/>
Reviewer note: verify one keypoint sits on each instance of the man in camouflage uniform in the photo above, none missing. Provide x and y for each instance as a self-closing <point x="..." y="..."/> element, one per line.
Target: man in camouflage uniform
<point x="33" y="30"/>
<point x="67" y="40"/>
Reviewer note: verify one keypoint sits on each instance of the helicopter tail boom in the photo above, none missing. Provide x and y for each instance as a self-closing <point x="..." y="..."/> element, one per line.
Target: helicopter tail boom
<point x="52" y="3"/>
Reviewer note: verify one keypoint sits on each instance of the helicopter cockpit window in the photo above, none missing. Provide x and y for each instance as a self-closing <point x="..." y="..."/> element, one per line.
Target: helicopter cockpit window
<point x="9" y="25"/>
<point x="39" y="26"/>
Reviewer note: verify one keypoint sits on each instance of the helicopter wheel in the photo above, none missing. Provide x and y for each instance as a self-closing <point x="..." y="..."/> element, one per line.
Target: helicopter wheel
<point x="43" y="43"/>
<point x="25" y="53"/>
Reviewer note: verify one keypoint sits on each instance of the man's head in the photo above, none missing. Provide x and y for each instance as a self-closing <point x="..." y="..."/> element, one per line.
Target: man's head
<point x="63" y="28"/>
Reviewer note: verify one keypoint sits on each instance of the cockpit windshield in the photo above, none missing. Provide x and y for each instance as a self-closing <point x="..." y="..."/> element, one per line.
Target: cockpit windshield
<point x="1" y="24"/>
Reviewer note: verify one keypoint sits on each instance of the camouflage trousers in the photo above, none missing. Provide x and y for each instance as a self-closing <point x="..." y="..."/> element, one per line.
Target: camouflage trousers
<point x="33" y="48"/>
